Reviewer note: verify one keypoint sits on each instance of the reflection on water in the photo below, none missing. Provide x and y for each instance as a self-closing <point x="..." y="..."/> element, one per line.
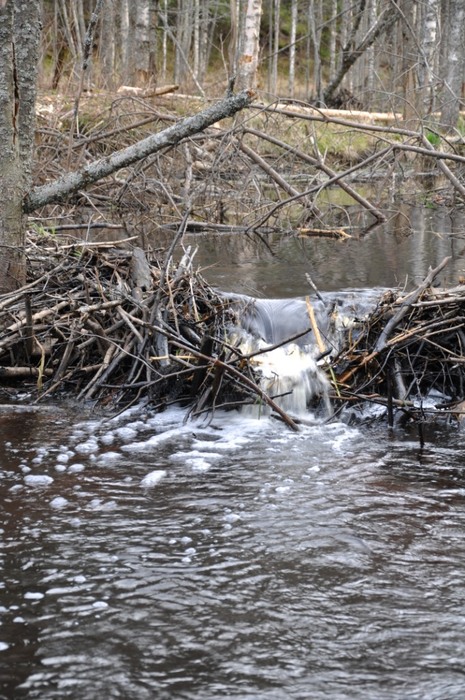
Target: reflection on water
<point x="260" y="564"/>
<point x="400" y="251"/>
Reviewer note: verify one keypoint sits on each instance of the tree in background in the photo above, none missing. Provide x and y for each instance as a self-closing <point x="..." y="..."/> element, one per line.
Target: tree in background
<point x="378" y="54"/>
<point x="19" y="53"/>
<point x="249" y="46"/>
<point x="453" y="63"/>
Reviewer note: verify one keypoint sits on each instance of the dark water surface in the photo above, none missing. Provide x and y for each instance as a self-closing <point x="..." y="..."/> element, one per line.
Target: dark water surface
<point x="143" y="557"/>
<point x="394" y="254"/>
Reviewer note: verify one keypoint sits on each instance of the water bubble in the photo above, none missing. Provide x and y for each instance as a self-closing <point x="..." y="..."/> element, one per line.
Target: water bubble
<point x="37" y="480"/>
<point x="33" y="595"/>
<point x="76" y="468"/>
<point x="59" y="502"/>
<point x="153" y="478"/>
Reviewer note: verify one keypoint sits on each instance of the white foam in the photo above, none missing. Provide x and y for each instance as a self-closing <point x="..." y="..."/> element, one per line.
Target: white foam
<point x="108" y="457"/>
<point x="59" y="502"/>
<point x="76" y="468"/>
<point x="88" y="447"/>
<point x="198" y="464"/>
<point x="126" y="433"/>
<point x="37" y="480"/>
<point x="152" y="442"/>
<point x="196" y="454"/>
<point x="33" y="595"/>
<point x="153" y="478"/>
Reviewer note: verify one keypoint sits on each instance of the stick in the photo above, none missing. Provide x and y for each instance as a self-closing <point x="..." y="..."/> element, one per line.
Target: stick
<point x="406" y="304"/>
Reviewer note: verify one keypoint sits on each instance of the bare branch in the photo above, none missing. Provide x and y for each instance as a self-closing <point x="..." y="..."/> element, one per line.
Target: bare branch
<point x="74" y="181"/>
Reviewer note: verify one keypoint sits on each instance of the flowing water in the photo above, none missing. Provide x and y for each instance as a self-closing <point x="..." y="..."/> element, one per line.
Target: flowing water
<point x="148" y="557"/>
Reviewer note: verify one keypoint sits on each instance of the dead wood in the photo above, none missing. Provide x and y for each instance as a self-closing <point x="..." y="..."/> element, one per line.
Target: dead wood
<point x="320" y="165"/>
<point x="114" y="326"/>
<point x="73" y="181"/>
<point x="408" y="354"/>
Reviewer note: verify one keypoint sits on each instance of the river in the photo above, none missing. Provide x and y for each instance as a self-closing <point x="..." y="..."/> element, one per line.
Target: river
<point x="149" y="557"/>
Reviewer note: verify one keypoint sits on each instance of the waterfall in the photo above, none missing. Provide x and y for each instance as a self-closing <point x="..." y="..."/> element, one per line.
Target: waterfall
<point x="292" y="370"/>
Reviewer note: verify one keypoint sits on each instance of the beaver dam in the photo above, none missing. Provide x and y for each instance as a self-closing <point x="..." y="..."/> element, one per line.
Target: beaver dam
<point x="115" y="326"/>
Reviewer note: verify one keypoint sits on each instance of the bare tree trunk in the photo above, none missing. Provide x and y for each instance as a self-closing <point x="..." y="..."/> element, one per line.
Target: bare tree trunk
<point x="208" y="20"/>
<point x="370" y="57"/>
<point x="429" y="32"/>
<point x="124" y="39"/>
<point x="196" y="39"/>
<point x="316" y="24"/>
<point x="145" y="28"/>
<point x="164" y="60"/>
<point x="351" y="54"/>
<point x="19" y="53"/>
<point x="107" y="45"/>
<point x="292" y="47"/>
<point x="409" y="67"/>
<point x="453" y="69"/>
<point x="183" y="40"/>
<point x="275" y="51"/>
<point x="333" y="40"/>
<point x="247" y="63"/>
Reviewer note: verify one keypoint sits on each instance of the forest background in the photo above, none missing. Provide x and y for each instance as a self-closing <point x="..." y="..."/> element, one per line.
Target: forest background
<point x="104" y="68"/>
<point x="400" y="56"/>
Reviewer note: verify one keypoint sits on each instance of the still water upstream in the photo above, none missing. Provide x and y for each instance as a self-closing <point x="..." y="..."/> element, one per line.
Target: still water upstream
<point x="148" y="557"/>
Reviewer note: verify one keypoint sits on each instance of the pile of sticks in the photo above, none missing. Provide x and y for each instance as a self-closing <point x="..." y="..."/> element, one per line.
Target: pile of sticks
<point x="97" y="321"/>
<point x="408" y="356"/>
<point x="114" y="326"/>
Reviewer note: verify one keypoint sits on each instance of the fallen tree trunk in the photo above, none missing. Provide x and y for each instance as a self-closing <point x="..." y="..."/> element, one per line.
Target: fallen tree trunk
<point x="74" y="181"/>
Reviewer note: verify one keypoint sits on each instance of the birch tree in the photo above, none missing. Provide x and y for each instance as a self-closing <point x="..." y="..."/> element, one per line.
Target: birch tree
<point x="430" y="31"/>
<point x="249" y="47"/>
<point x="292" y="46"/>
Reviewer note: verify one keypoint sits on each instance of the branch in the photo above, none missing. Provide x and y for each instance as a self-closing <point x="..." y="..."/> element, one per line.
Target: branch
<point x="382" y="24"/>
<point x="74" y="181"/>
<point x="322" y="166"/>
<point x="406" y="305"/>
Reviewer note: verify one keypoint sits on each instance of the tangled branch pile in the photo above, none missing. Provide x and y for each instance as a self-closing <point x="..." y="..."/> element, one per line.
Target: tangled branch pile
<point x="409" y="355"/>
<point x="96" y="320"/>
<point x="114" y="326"/>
